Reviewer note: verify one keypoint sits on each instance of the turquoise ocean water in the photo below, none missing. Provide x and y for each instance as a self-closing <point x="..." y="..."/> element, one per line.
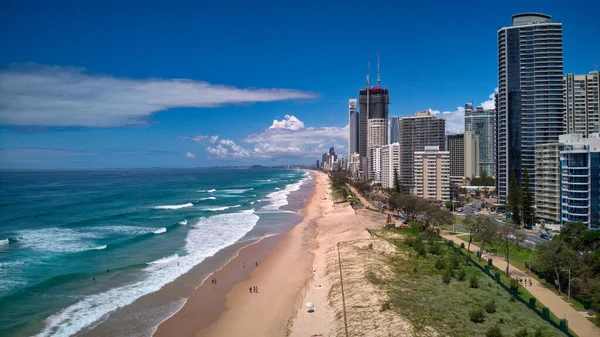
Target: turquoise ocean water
<point x="60" y="230"/>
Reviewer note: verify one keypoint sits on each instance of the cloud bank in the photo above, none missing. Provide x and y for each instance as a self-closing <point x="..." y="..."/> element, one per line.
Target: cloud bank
<point x="37" y="95"/>
<point x="287" y="138"/>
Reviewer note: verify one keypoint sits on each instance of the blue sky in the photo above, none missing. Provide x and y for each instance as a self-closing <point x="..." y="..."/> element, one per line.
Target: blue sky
<point x="97" y="84"/>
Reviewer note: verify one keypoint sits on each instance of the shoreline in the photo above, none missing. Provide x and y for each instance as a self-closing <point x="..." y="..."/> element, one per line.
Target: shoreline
<point x="208" y="302"/>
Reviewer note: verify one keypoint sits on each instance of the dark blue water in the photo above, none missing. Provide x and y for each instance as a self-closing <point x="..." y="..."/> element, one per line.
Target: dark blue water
<point x="132" y="230"/>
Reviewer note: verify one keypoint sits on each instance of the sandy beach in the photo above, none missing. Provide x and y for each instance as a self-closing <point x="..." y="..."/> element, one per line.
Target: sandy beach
<point x="301" y="267"/>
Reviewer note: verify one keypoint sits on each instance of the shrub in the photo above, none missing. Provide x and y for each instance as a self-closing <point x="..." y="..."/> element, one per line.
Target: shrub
<point x="490" y="307"/>
<point x="461" y="275"/>
<point x="421" y="250"/>
<point x="462" y="245"/>
<point x="512" y="299"/>
<point x="538" y="332"/>
<point x="514" y="286"/>
<point x="385" y="306"/>
<point x="494" y="331"/>
<point x="447" y="276"/>
<point x="439" y="263"/>
<point x="474" y="282"/>
<point x="477" y="315"/>
<point x="454" y="261"/>
<point x="415" y="269"/>
<point x="435" y="249"/>
<point x="522" y="333"/>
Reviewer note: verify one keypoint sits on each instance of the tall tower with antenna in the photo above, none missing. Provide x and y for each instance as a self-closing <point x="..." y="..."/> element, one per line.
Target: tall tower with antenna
<point x="373" y="133"/>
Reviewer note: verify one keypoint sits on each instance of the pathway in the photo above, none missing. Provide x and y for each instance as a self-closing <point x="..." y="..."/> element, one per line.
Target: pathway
<point x="577" y="320"/>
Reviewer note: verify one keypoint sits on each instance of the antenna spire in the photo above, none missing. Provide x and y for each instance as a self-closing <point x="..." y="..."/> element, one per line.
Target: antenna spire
<point x="378" y="77"/>
<point x="596" y="65"/>
<point x="368" y="69"/>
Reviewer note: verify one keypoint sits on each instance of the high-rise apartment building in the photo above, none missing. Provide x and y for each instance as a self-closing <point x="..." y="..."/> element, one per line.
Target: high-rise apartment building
<point x="432" y="173"/>
<point x="471" y="154"/>
<point x="390" y="162"/>
<point x="423" y="129"/>
<point x="394" y="131"/>
<point x="580" y="181"/>
<point x="353" y="120"/>
<point x="483" y="123"/>
<point x="373" y="103"/>
<point x="547" y="181"/>
<point x="455" y="145"/>
<point x="530" y="94"/>
<point x="581" y="103"/>
<point x="375" y="163"/>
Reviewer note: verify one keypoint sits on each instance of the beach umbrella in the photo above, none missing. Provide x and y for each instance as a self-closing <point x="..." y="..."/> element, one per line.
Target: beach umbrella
<point x="309" y="305"/>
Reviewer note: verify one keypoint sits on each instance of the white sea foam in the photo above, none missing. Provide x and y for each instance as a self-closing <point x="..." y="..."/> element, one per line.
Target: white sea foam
<point x="99" y="247"/>
<point x="219" y="208"/>
<point x="208" y="198"/>
<point x="124" y="230"/>
<point x="165" y="259"/>
<point x="160" y="231"/>
<point x="4" y="242"/>
<point x="57" y="240"/>
<point x="238" y="191"/>
<point x="277" y="188"/>
<point x="189" y="204"/>
<point x="204" y="239"/>
<point x="207" y="191"/>
<point x="184" y="222"/>
<point x="280" y="198"/>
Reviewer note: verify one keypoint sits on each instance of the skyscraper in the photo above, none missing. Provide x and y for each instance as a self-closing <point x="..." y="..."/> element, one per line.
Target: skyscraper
<point x="394" y="130"/>
<point x="390" y="163"/>
<point x="373" y="125"/>
<point x="416" y="132"/>
<point x="581" y="103"/>
<point x="471" y="154"/>
<point x="432" y="173"/>
<point x="455" y="145"/>
<point x="530" y="94"/>
<point x="483" y="123"/>
<point x="353" y="120"/>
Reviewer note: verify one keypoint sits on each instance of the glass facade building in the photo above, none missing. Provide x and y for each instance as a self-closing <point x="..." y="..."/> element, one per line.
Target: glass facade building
<point x="394" y="130"/>
<point x="353" y="119"/>
<point x="483" y="123"/>
<point x="580" y="182"/>
<point x="530" y="94"/>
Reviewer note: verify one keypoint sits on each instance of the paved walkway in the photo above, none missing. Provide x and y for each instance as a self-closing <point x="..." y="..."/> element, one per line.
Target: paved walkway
<point x="577" y="320"/>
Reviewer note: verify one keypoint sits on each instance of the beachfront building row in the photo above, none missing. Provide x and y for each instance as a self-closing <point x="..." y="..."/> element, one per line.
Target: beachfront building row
<point x="568" y="180"/>
<point x="432" y="174"/>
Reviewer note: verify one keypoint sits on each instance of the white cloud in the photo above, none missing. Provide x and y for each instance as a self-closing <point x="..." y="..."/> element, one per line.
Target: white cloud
<point x="37" y="95"/>
<point x="455" y="120"/>
<point x="289" y="123"/>
<point x="490" y="103"/>
<point x="201" y="138"/>
<point x="227" y="148"/>
<point x="190" y="155"/>
<point x="283" y="142"/>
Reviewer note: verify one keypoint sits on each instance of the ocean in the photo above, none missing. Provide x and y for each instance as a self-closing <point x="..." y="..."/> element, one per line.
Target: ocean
<point x="76" y="246"/>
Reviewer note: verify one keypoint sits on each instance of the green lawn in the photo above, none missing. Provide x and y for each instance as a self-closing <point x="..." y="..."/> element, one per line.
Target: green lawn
<point x="519" y="255"/>
<point x="419" y="294"/>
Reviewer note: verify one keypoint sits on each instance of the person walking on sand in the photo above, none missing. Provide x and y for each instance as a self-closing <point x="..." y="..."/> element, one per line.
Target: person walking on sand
<point x="250" y="289"/>
<point x="244" y="265"/>
<point x="257" y="263"/>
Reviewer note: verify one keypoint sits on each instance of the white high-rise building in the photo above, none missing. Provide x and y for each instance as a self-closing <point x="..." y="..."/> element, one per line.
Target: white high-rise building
<point x="431" y="172"/>
<point x="375" y="163"/>
<point x="390" y="161"/>
<point x="581" y="103"/>
<point x="353" y="120"/>
<point x="471" y="154"/>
